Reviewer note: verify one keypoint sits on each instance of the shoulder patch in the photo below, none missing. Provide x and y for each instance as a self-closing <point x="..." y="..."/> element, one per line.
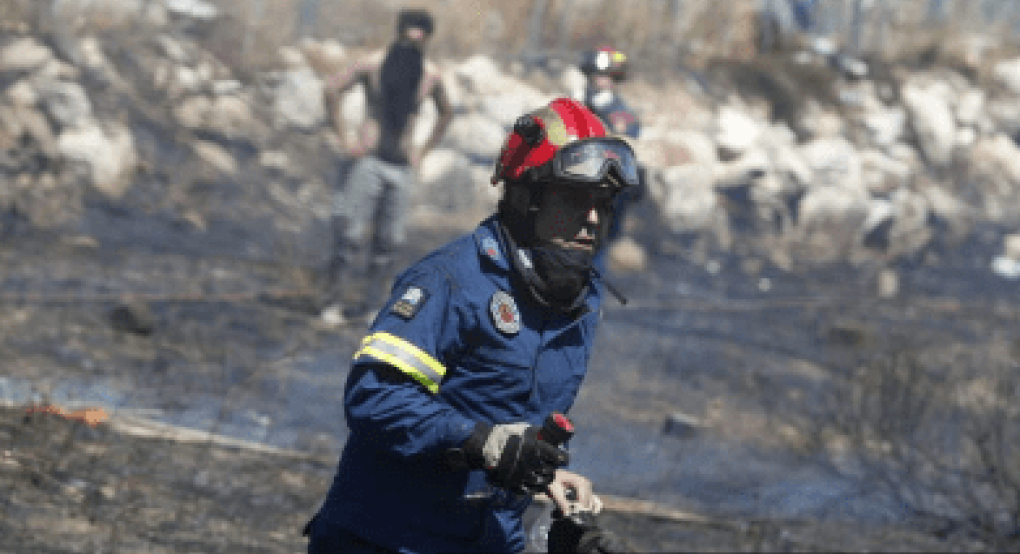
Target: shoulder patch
<point x="491" y="248"/>
<point x="410" y="302"/>
<point x="504" y="313"/>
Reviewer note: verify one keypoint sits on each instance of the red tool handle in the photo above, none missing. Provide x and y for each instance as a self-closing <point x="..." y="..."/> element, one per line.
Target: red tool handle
<point x="556" y="429"/>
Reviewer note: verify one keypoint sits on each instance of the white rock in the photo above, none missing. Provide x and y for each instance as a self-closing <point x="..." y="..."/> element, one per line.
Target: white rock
<point x="298" y="101"/>
<point x="447" y="182"/>
<point x="56" y="70"/>
<point x="205" y="72"/>
<point x="970" y="107"/>
<point x="193" y="111"/>
<point x="480" y="75"/>
<point x="1005" y="114"/>
<point x="910" y="232"/>
<point x="506" y="108"/>
<point x="945" y="91"/>
<point x="187" y="79"/>
<point x="693" y="147"/>
<point x="1006" y="268"/>
<point x="292" y="58"/>
<point x="886" y="126"/>
<point x="883" y="174"/>
<point x="11" y="128"/>
<point x="627" y="255"/>
<point x="23" y="94"/>
<point x="326" y="57"/>
<point x="834" y="162"/>
<point x="834" y="213"/>
<point x="92" y="53"/>
<point x="689" y="203"/>
<point x="735" y="131"/>
<point x="1007" y="72"/>
<point x="274" y="159"/>
<point x="424" y="122"/>
<point x="1011" y="247"/>
<point x="172" y="49"/>
<point x="904" y="153"/>
<point x="888" y="283"/>
<point x="216" y="156"/>
<point x="24" y="54"/>
<point x="949" y="209"/>
<point x="438" y="164"/>
<point x="778" y="134"/>
<point x="354" y="106"/>
<point x="229" y="115"/>
<point x="155" y="15"/>
<point x="475" y="135"/>
<point x="965" y="137"/>
<point x="818" y="122"/>
<point x="455" y="92"/>
<point x="227" y="86"/>
<point x="487" y="195"/>
<point x="108" y="151"/>
<point x="573" y="83"/>
<point x="653" y="153"/>
<point x="971" y="50"/>
<point x="997" y="156"/>
<point x="110" y="12"/>
<point x="790" y="165"/>
<point x="27" y="120"/>
<point x="934" y="124"/>
<point x="196" y="9"/>
<point x="753" y="164"/>
<point x="66" y="102"/>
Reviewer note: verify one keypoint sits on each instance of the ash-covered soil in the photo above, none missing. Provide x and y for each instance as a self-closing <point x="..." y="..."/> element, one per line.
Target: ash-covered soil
<point x="71" y="488"/>
<point x="229" y="332"/>
<point x="68" y="487"/>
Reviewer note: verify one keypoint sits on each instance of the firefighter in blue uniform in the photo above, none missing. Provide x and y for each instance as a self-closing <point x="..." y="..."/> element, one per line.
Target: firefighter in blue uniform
<point x="604" y="68"/>
<point x="479" y="343"/>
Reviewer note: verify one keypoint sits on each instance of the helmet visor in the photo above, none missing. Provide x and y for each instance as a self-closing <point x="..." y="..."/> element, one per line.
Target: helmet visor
<point x="589" y="161"/>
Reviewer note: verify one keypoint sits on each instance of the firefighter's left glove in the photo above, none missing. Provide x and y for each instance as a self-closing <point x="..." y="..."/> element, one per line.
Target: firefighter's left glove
<point x="580" y="533"/>
<point x="514" y="457"/>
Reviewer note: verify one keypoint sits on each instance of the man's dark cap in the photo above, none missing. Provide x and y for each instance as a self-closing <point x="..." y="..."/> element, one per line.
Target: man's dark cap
<point x="415" y="18"/>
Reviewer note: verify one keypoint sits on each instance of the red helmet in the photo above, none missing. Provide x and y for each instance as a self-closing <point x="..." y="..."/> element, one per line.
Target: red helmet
<point x="564" y="141"/>
<point x="605" y="60"/>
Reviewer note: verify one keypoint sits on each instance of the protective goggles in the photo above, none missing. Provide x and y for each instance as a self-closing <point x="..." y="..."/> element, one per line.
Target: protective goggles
<point x="587" y="162"/>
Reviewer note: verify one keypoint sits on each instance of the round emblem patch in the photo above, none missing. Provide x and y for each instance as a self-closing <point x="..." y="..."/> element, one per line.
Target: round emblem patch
<point x="504" y="313"/>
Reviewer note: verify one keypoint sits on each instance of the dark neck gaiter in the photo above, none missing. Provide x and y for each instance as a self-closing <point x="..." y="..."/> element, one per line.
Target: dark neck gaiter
<point x="553" y="277"/>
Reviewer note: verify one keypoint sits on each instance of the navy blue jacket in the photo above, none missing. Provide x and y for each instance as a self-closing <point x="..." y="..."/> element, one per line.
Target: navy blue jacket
<point x="448" y="350"/>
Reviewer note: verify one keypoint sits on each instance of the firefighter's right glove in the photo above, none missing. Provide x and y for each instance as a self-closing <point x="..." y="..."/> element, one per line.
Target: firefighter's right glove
<point x="514" y="457"/>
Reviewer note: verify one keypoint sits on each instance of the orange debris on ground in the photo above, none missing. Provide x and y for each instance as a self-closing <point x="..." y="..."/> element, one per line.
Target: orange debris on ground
<point x="89" y="416"/>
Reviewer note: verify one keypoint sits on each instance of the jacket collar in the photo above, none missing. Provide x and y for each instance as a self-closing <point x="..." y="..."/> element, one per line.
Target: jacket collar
<point x="494" y="252"/>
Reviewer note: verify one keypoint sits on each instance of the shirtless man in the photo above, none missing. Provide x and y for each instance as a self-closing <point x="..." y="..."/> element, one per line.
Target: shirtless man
<point x="370" y="210"/>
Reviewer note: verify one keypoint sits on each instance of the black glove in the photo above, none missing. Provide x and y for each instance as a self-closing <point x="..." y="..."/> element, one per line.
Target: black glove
<point x="579" y="533"/>
<point x="513" y="456"/>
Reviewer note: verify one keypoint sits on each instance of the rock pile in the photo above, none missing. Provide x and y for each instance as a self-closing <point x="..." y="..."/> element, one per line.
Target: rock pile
<point x="882" y="173"/>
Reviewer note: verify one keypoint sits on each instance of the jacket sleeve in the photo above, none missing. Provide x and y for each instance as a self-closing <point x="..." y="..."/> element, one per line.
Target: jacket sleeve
<point x="392" y="395"/>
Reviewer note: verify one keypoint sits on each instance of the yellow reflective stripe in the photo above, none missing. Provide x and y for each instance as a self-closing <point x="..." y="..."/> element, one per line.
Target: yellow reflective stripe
<point x="404" y="356"/>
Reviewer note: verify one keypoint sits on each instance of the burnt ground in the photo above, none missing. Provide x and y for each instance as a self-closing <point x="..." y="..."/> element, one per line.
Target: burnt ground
<point x="221" y="326"/>
<point x="68" y="487"/>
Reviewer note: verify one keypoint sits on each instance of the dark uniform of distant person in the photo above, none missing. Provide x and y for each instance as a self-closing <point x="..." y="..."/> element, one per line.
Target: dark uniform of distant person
<point x="604" y="68"/>
<point x="481" y="341"/>
<point x="370" y="210"/>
